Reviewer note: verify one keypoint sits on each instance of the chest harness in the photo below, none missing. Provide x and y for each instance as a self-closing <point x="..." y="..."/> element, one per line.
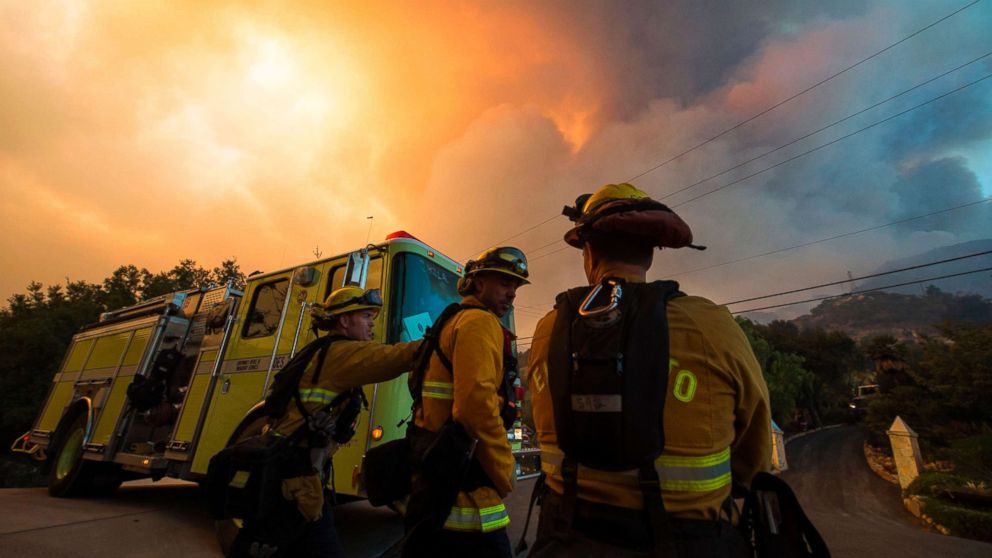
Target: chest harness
<point x="607" y="375"/>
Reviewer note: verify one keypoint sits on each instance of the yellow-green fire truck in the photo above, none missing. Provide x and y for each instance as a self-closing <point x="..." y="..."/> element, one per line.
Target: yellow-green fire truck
<point x="212" y="353"/>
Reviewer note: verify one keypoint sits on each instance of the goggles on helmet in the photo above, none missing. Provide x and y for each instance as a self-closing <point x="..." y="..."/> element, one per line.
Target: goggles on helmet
<point x="371" y="297"/>
<point x="505" y="259"/>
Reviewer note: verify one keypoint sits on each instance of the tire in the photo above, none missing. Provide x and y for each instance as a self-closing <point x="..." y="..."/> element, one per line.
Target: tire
<point x="72" y="476"/>
<point x="256" y="422"/>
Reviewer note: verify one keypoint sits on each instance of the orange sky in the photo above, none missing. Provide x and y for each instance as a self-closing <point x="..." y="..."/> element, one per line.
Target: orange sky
<point x="150" y="132"/>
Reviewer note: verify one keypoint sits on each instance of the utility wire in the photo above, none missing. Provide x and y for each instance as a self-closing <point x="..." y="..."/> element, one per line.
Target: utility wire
<point x="803" y="92"/>
<point x="810" y="151"/>
<point x="835" y="237"/>
<point x="851" y="279"/>
<point x="831" y="125"/>
<point x="803" y="245"/>
<point x="525" y="231"/>
<point x="762" y="113"/>
<point x="864" y="291"/>
<point x="837" y="140"/>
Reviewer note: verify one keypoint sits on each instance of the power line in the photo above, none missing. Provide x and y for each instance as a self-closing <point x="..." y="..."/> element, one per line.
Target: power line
<point x="548" y="245"/>
<point x="829" y="143"/>
<point x="864" y="291"/>
<point x="850" y="279"/>
<point x="803" y="92"/>
<point x="563" y="248"/>
<point x="762" y="113"/>
<point x="810" y="151"/>
<point x="835" y="237"/>
<point x="803" y="245"/>
<point x="831" y="125"/>
<point x="525" y="231"/>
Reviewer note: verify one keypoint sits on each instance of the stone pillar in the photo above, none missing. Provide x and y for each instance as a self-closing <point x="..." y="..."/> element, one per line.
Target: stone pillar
<point x="906" y="451"/>
<point x="779" y="462"/>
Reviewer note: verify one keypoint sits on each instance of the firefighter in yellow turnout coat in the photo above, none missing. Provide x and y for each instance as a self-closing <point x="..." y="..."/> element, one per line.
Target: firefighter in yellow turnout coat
<point x="305" y="527"/>
<point x="716" y="417"/>
<point x="469" y="392"/>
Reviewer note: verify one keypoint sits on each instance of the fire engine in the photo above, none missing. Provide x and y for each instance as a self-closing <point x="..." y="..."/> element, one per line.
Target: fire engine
<point x="156" y="389"/>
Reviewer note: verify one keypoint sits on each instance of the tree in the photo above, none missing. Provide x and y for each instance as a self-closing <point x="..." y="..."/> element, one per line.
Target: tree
<point x="788" y="382"/>
<point x="37" y="326"/>
<point x="957" y="367"/>
<point x="831" y="357"/>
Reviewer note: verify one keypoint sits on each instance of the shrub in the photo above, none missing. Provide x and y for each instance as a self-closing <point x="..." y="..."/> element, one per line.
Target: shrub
<point x="972" y="457"/>
<point x="934" y="483"/>
<point x="961" y="521"/>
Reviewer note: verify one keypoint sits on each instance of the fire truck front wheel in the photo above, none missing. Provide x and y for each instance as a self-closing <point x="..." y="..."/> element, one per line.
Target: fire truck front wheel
<point x="70" y="475"/>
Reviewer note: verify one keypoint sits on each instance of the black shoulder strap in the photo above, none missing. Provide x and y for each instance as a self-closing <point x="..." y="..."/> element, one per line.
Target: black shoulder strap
<point x="647" y="327"/>
<point x="321" y="345"/>
<point x="432" y="346"/>
<point x="436" y="345"/>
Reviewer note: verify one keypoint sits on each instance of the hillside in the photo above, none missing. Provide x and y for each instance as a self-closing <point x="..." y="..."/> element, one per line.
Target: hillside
<point x="904" y="316"/>
<point x="978" y="283"/>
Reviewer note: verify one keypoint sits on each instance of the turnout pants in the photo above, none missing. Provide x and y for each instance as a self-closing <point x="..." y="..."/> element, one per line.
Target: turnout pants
<point x="457" y="544"/>
<point x="292" y="535"/>
<point x="599" y="531"/>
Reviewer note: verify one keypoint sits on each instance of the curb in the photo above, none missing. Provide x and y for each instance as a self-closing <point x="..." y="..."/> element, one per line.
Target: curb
<point x="877" y="468"/>
<point x="807" y="432"/>
<point x="916" y="505"/>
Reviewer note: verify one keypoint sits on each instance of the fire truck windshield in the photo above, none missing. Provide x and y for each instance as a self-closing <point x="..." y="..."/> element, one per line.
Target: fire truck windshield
<point x="420" y="290"/>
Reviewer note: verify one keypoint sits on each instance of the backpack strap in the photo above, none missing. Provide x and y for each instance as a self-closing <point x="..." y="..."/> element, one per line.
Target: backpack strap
<point x="324" y="346"/>
<point x="432" y="346"/>
<point x="653" y="333"/>
<point x="436" y="346"/>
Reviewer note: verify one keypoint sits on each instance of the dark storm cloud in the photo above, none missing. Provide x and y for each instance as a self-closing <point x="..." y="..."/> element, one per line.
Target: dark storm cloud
<point x="678" y="50"/>
<point x="936" y="185"/>
<point x="954" y="121"/>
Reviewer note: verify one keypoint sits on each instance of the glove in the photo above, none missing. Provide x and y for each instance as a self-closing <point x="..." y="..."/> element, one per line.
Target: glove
<point x="308" y="492"/>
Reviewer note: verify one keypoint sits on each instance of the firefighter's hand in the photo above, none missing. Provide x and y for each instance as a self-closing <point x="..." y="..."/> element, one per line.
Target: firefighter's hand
<point x="261" y="550"/>
<point x="308" y="493"/>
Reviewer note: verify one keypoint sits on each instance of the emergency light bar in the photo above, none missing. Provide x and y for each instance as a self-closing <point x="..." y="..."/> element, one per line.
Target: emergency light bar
<point x="402" y="234"/>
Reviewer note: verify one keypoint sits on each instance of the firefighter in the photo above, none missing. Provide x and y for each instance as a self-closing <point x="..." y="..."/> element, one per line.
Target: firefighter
<point x="471" y="390"/>
<point x="305" y="526"/>
<point x="607" y="442"/>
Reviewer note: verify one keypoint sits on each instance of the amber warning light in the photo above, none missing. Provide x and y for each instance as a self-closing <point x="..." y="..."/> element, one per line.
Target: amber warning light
<point x="377" y="433"/>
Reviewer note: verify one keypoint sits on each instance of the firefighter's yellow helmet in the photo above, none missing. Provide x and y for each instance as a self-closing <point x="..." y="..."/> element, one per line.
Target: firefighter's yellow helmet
<point x="611" y="192"/>
<point x="347" y="299"/>
<point x="626" y="211"/>
<point x="501" y="259"/>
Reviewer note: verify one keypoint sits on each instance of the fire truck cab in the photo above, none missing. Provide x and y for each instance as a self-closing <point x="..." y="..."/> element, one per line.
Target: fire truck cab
<point x="158" y="388"/>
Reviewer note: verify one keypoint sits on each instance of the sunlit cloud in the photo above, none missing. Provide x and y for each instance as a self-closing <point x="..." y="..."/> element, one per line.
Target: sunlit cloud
<point x="147" y="133"/>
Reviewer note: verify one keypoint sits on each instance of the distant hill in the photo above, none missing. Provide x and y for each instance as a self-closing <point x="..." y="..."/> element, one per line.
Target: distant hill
<point x="906" y="312"/>
<point x="977" y="283"/>
<point x="904" y="316"/>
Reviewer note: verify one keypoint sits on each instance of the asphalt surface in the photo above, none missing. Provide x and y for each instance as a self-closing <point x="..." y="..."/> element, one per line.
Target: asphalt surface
<point x="856" y="512"/>
<point x="169" y="519"/>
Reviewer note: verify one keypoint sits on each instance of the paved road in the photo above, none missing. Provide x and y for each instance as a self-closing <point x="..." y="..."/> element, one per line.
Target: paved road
<point x="858" y="513"/>
<point x="168" y="519"/>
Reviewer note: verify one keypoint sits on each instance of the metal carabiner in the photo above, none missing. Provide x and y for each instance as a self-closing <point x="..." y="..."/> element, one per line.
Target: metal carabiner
<point x="614" y="302"/>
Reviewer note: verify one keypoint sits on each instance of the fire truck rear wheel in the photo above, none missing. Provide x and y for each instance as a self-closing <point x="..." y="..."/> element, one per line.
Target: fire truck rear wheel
<point x="71" y="475"/>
